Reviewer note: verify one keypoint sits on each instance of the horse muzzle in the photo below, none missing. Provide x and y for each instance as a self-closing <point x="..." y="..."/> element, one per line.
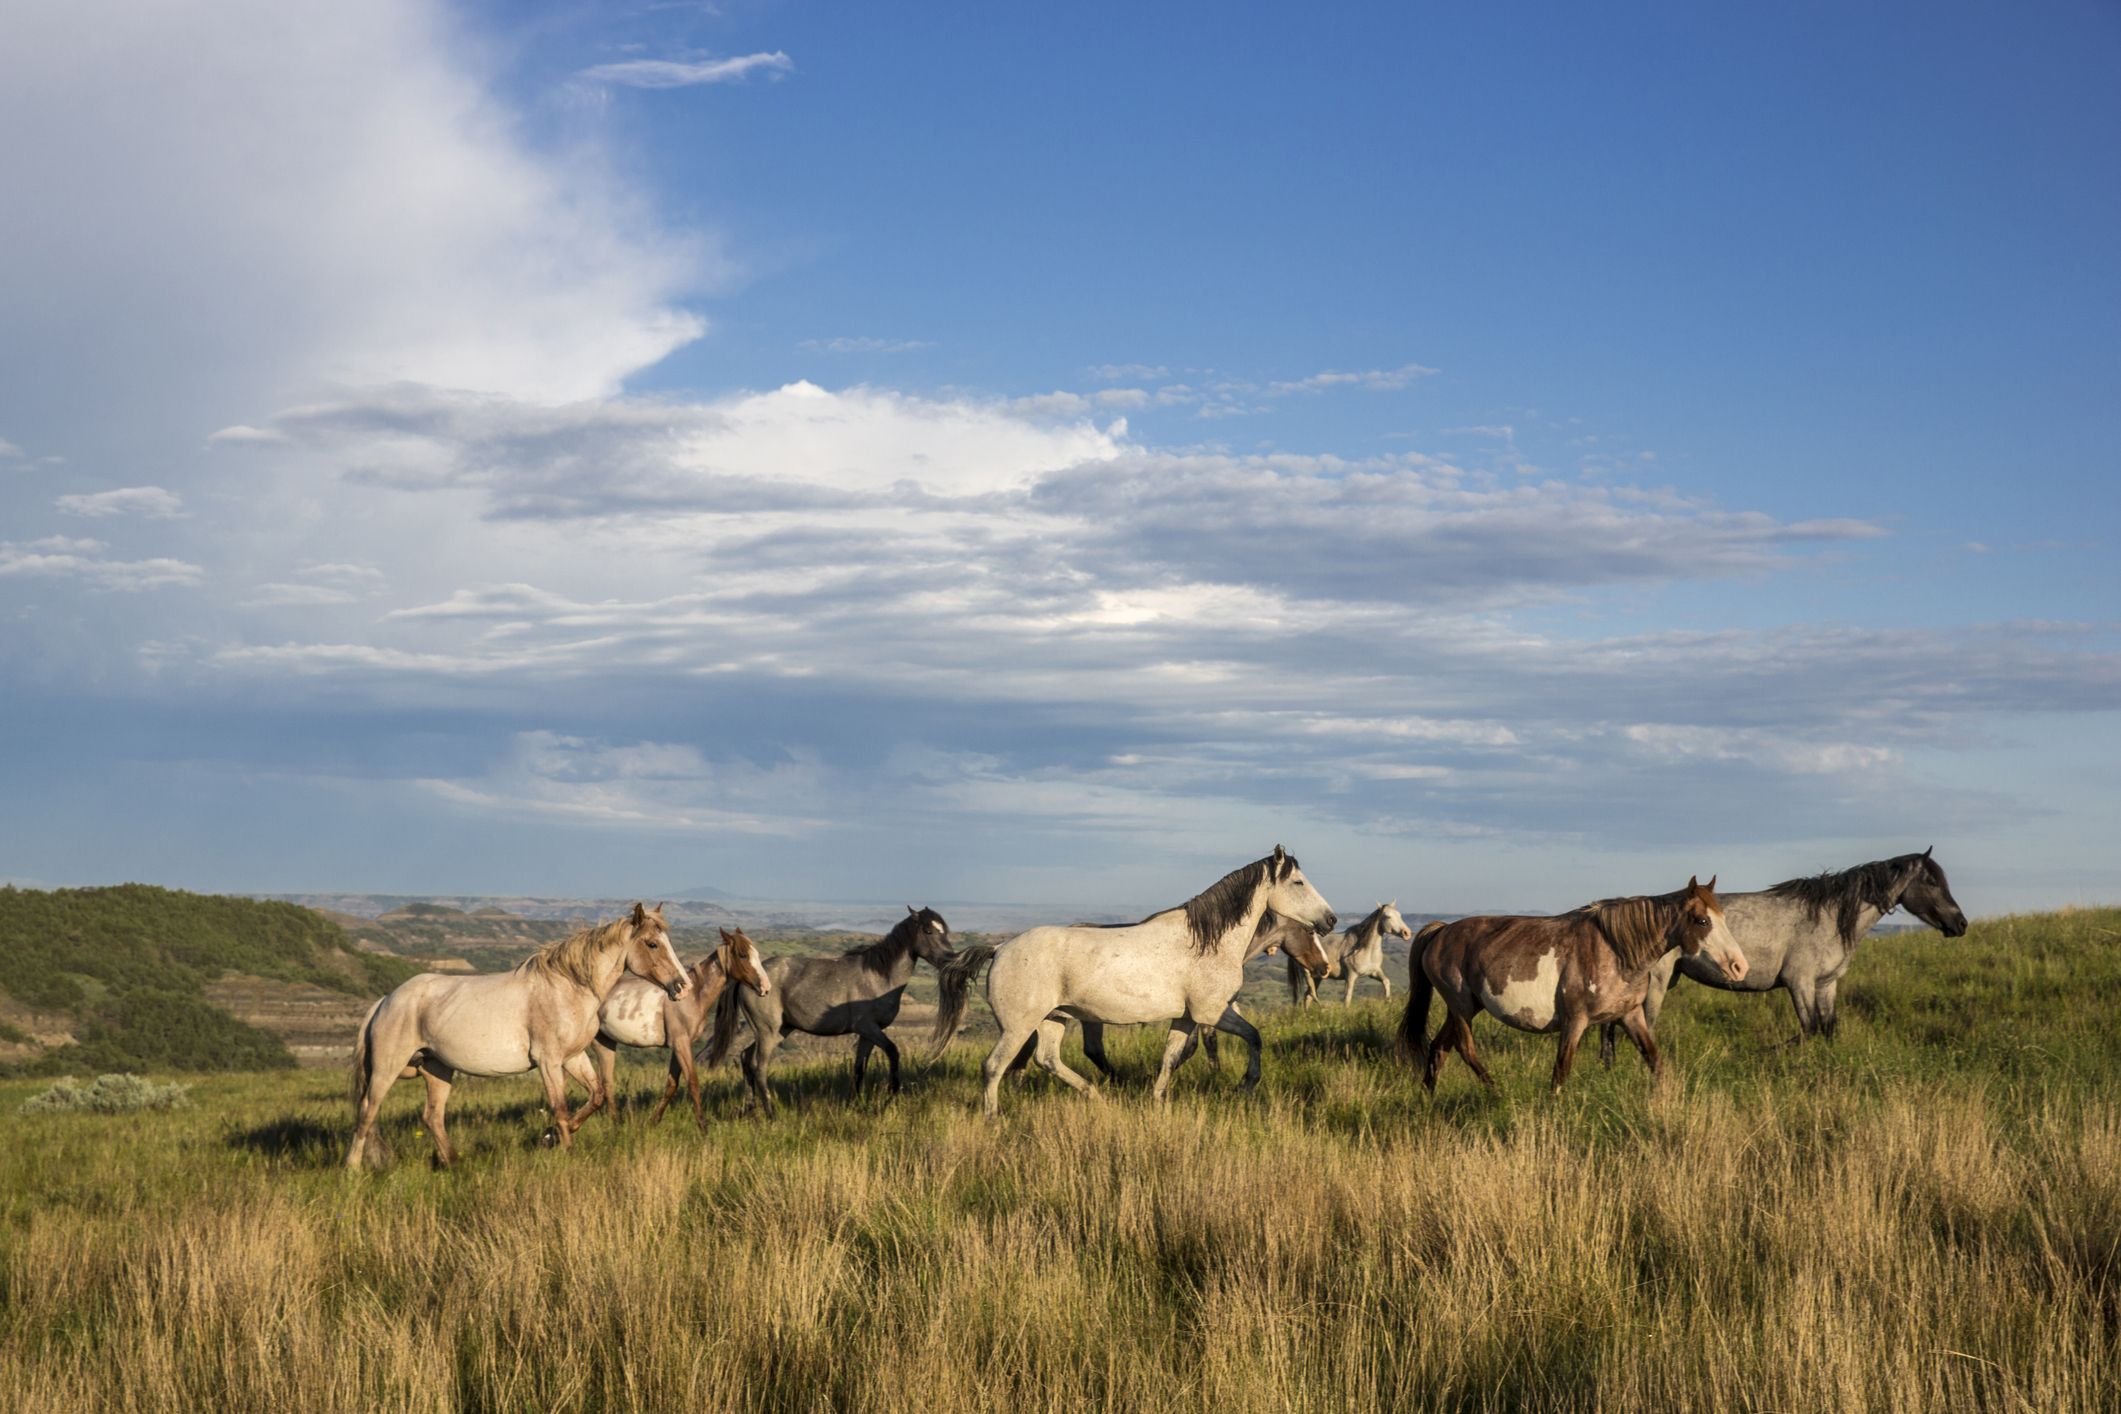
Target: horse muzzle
<point x="675" y="989"/>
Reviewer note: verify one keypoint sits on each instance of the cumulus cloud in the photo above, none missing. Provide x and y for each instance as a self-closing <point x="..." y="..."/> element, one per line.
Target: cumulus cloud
<point x="150" y="501"/>
<point x="678" y="73"/>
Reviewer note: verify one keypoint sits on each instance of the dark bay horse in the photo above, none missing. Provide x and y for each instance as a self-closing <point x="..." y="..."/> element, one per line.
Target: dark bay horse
<point x="1562" y="974"/>
<point x="638" y="1014"/>
<point x="1801" y="935"/>
<point x="857" y="993"/>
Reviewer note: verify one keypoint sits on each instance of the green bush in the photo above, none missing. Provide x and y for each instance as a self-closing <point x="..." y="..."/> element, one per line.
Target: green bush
<point x="109" y="1094"/>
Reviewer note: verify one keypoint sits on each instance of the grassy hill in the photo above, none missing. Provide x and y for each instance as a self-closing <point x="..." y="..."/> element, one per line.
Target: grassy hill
<point x="124" y="978"/>
<point x="1922" y="1214"/>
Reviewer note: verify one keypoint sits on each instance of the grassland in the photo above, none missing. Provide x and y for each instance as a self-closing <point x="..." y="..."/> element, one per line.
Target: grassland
<point x="1924" y="1214"/>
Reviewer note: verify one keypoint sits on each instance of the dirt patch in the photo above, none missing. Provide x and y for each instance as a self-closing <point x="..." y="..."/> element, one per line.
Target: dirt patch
<point x="317" y="1025"/>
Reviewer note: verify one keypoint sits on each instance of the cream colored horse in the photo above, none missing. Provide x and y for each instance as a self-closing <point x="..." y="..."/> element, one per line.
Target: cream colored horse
<point x="1183" y="965"/>
<point x="541" y="1016"/>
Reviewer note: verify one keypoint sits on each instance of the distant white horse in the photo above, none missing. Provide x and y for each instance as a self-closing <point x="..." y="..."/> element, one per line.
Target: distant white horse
<point x="1359" y="952"/>
<point x="541" y="1016"/>
<point x="1182" y="965"/>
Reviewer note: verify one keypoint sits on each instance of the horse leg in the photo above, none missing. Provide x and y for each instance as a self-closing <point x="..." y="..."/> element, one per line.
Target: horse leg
<point x="682" y="1056"/>
<point x="760" y="1054"/>
<point x="1244" y="1031"/>
<point x="1465" y="1050"/>
<point x="1384" y="982"/>
<point x="1573" y="1025"/>
<point x="996" y="1065"/>
<point x="606" y="1054"/>
<point x="1803" y="1000"/>
<point x="862" y="1046"/>
<point x="1824" y="1008"/>
<point x="1094" y="1049"/>
<point x="439" y="1078"/>
<point x="1207" y="1045"/>
<point x="1174" y="1047"/>
<point x="1051" y="1032"/>
<point x="368" y="1149"/>
<point x="670" y="1085"/>
<point x="1348" y="997"/>
<point x="555" y="1078"/>
<point x="875" y="1035"/>
<point x="580" y="1067"/>
<point x="1645" y="1041"/>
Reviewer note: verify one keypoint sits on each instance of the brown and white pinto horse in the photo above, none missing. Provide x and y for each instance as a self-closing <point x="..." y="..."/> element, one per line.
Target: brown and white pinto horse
<point x="638" y="1013"/>
<point x="1563" y="974"/>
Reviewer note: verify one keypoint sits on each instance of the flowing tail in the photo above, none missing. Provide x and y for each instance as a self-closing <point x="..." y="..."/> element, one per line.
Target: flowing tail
<point x="362" y="1053"/>
<point x="726" y="1022"/>
<point x="1414" y="1021"/>
<point x="957" y="976"/>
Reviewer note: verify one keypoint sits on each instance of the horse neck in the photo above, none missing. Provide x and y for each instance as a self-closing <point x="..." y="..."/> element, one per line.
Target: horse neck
<point x="1245" y="928"/>
<point x="900" y="972"/>
<point x="605" y="972"/>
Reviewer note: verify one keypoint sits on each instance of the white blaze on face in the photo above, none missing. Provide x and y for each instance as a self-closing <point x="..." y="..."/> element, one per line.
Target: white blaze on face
<point x="1527" y="1002"/>
<point x="1722" y="948"/>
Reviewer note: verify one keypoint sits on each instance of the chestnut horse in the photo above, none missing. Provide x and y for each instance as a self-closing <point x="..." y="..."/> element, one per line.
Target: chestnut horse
<point x="1562" y="974"/>
<point x="540" y="1016"/>
<point x="637" y="1013"/>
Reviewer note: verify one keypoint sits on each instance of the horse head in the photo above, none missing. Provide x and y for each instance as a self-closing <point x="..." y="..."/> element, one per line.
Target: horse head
<point x="650" y="953"/>
<point x="1276" y="933"/>
<point x="1392" y="923"/>
<point x="741" y="961"/>
<point x="931" y="936"/>
<point x="1702" y="929"/>
<point x="1928" y="896"/>
<point x="1290" y="894"/>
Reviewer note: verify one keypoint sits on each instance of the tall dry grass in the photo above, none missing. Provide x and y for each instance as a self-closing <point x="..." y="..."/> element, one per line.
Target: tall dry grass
<point x="1888" y="1224"/>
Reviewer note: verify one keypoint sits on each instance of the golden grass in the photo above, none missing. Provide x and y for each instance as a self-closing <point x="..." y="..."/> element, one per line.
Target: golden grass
<point x="1841" y="1232"/>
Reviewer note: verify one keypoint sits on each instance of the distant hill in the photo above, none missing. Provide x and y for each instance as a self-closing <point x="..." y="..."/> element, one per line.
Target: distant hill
<point x="701" y="892"/>
<point x="125" y="978"/>
<point x="405" y="912"/>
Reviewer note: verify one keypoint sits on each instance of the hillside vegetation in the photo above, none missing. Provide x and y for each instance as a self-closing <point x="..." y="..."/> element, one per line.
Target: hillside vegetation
<point x="123" y="972"/>
<point x="1923" y="1214"/>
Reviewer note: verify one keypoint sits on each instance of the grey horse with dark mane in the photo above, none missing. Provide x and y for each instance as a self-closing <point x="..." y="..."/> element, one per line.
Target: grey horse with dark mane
<point x="1801" y="935"/>
<point x="857" y="993"/>
<point x="1359" y="952"/>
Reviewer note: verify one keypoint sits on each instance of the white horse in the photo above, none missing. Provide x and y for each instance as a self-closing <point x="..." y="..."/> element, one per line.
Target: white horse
<point x="1182" y="965"/>
<point x="540" y="1016"/>
<point x="1359" y="952"/>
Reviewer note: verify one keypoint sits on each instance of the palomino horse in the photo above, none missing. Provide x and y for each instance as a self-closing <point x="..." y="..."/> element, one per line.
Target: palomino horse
<point x="541" y="1016"/>
<point x="858" y="992"/>
<point x="637" y="1013"/>
<point x="1562" y="974"/>
<point x="1275" y="934"/>
<point x="1359" y="952"/>
<point x="1801" y="934"/>
<point x="1182" y="965"/>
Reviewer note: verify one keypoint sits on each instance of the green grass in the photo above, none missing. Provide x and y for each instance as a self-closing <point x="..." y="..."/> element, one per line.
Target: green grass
<point x="1925" y="1213"/>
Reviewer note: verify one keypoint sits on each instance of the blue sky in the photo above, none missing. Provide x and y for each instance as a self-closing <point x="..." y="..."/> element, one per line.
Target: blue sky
<point x="1506" y="454"/>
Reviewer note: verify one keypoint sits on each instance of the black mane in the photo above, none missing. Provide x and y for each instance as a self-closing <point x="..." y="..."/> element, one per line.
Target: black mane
<point x="1219" y="907"/>
<point x="881" y="954"/>
<point x="1845" y="891"/>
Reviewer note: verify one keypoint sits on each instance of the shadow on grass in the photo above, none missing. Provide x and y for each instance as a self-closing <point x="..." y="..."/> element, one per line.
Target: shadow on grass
<point x="288" y="1138"/>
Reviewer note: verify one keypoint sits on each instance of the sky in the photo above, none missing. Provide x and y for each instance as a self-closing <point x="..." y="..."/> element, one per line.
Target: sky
<point x="1508" y="455"/>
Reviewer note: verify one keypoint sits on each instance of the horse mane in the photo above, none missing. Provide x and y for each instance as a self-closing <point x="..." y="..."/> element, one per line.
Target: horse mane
<point x="1216" y="909"/>
<point x="878" y="956"/>
<point x="1360" y="935"/>
<point x="1845" y="891"/>
<point x="1639" y="928"/>
<point x="574" y="958"/>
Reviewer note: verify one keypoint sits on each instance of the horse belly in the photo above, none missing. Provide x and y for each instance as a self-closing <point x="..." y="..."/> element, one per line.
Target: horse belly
<point x="633" y="1016"/>
<point x="1529" y="1003"/>
<point x="1125" y="990"/>
<point x="493" y="1050"/>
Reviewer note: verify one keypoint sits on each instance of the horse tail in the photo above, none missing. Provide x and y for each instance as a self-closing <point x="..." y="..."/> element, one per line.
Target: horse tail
<point x="1296" y="980"/>
<point x="363" y="1054"/>
<point x="725" y="1022"/>
<point x="1414" y="1021"/>
<point x="957" y="975"/>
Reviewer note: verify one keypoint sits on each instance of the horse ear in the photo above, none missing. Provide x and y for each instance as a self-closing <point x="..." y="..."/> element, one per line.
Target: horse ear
<point x="1926" y="853"/>
<point x="1712" y="883"/>
<point x="1693" y="881"/>
<point x="640" y="913"/>
<point x="912" y="910"/>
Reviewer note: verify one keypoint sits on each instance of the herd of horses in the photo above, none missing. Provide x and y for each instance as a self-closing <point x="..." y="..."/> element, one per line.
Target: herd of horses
<point x="566" y="1010"/>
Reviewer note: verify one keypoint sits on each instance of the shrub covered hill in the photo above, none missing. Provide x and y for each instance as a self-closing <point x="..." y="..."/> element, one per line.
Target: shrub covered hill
<point x="138" y="978"/>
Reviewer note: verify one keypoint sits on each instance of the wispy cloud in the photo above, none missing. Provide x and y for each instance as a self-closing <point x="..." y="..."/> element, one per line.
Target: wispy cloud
<point x="1374" y="380"/>
<point x="865" y="345"/>
<point x="678" y="73"/>
<point x="62" y="557"/>
<point x="151" y="501"/>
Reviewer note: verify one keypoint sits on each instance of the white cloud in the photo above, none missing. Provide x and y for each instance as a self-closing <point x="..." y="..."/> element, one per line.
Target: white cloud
<point x="150" y="501"/>
<point x="672" y="73"/>
<point x="58" y="557"/>
<point x="1374" y="380"/>
<point x="296" y="595"/>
